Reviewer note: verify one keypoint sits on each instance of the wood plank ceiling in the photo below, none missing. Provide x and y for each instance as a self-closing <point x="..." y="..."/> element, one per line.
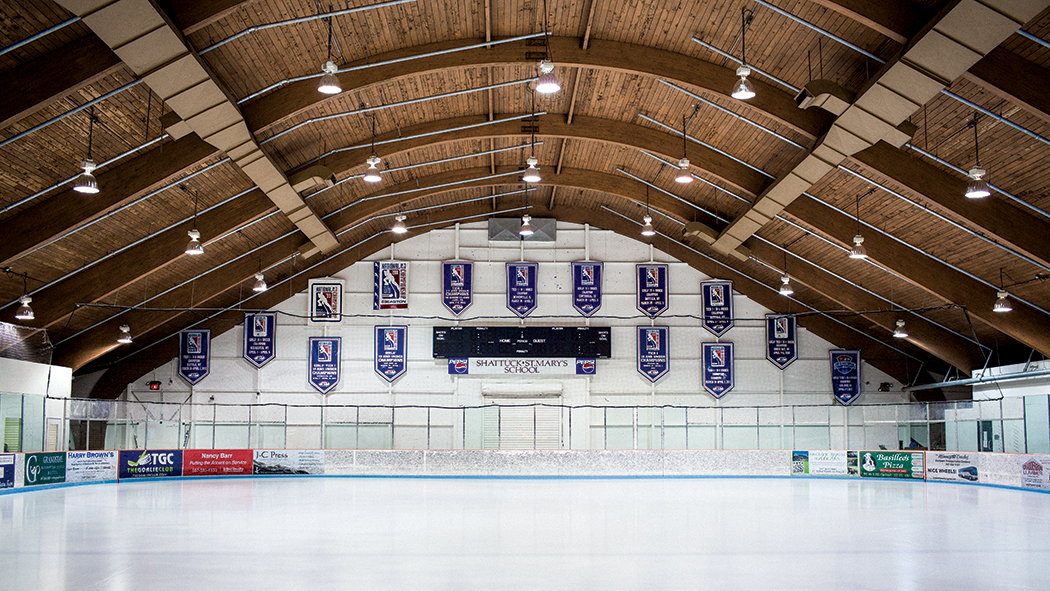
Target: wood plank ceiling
<point x="630" y="72"/>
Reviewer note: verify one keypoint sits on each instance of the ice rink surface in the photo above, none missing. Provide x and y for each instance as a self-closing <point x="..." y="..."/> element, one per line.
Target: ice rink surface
<point x="427" y="533"/>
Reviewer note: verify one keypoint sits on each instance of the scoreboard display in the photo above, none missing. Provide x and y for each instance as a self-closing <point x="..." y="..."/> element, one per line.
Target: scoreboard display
<point x="522" y="341"/>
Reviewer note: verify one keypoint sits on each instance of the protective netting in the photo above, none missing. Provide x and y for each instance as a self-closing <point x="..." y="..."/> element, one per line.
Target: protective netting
<point x="24" y="343"/>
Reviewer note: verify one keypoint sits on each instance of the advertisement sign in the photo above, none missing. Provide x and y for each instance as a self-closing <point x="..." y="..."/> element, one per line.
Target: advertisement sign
<point x="194" y="355"/>
<point x="260" y="337"/>
<point x="824" y="463"/>
<point x="587" y="287"/>
<point x="521" y="287"/>
<point x="845" y="375"/>
<point x="324" y="363"/>
<point x="548" y="366"/>
<point x="1035" y="472"/>
<point x="45" y="468"/>
<point x="149" y="463"/>
<point x="7" y="471"/>
<point x="457" y="285"/>
<point x="288" y="461"/>
<point x="653" y="357"/>
<point x="326" y="300"/>
<point x="892" y="464"/>
<point x="717" y="298"/>
<point x="718" y="376"/>
<point x="216" y="462"/>
<point x="781" y="346"/>
<point x="389" y="285"/>
<point x="652" y="289"/>
<point x="951" y="466"/>
<point x="391" y="348"/>
<point x="89" y="466"/>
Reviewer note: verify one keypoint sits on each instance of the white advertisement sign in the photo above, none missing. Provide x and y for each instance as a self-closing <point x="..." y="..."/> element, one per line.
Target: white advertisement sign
<point x="87" y="466"/>
<point x="951" y="466"/>
<point x="823" y="463"/>
<point x="288" y="461"/>
<point x="547" y="366"/>
<point x="1035" y="472"/>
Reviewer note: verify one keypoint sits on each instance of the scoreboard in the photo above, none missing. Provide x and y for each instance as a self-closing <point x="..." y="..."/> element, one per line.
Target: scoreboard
<point x="522" y="341"/>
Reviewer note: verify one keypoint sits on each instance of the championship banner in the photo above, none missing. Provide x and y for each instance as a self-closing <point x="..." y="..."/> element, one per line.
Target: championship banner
<point x="587" y="287"/>
<point x="457" y="285"/>
<point x="390" y="285"/>
<point x="391" y="348"/>
<point x="1035" y="472"/>
<point x="845" y="375"/>
<point x="216" y="462"/>
<point x="548" y="366"/>
<point x="149" y="463"/>
<point x="260" y="337"/>
<point x="326" y="300"/>
<point x="7" y="471"/>
<point x="781" y="346"/>
<point x="892" y="464"/>
<point x="824" y="463"/>
<point x="91" y="466"/>
<point x="653" y="357"/>
<point x="951" y="466"/>
<point x="521" y="287"/>
<point x="288" y="461"/>
<point x="718" y="375"/>
<point x="717" y="299"/>
<point x="652" y="289"/>
<point x="194" y="355"/>
<point x="324" y="363"/>
<point x="45" y="468"/>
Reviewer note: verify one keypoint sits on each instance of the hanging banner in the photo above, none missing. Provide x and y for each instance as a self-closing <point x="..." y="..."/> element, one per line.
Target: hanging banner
<point x="718" y="376"/>
<point x="845" y="375"/>
<point x="7" y="471"/>
<point x="194" y="355"/>
<point x="547" y="366"/>
<point x="326" y="300"/>
<point x="148" y="463"/>
<point x="457" y="285"/>
<point x="216" y="462"/>
<point x="521" y="287"/>
<point x="390" y="285"/>
<point x="892" y="464"/>
<point x="717" y="299"/>
<point x="587" y="287"/>
<point x="45" y="468"/>
<point x="951" y="466"/>
<point x="260" y="337"/>
<point x="91" y="466"/>
<point x="391" y="359"/>
<point x="652" y="288"/>
<point x="781" y="346"/>
<point x="324" y="363"/>
<point x="653" y="357"/>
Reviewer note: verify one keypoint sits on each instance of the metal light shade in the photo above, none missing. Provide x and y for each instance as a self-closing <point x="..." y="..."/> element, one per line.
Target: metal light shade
<point x="532" y="174"/>
<point x="194" y="247"/>
<point x="24" y="311"/>
<point x="899" y="332"/>
<point x="399" y="225"/>
<point x="86" y="182"/>
<point x="977" y="187"/>
<point x="260" y="283"/>
<point x="858" y="251"/>
<point x="526" y="228"/>
<point x="743" y="89"/>
<point x="1002" y="304"/>
<point x="329" y="82"/>
<point x="547" y="83"/>
<point x="372" y="174"/>
<point x="785" y="289"/>
<point x="647" y="228"/>
<point x="125" y="335"/>
<point x="683" y="173"/>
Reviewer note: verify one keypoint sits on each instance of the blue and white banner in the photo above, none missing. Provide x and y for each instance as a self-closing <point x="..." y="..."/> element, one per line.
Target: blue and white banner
<point x="326" y="300"/>
<point x="521" y="287"/>
<point x="391" y="359"/>
<point x="260" y="337"/>
<point x="194" y="355"/>
<point x="457" y="285"/>
<point x="653" y="356"/>
<point x="324" y="363"/>
<point x="781" y="346"/>
<point x="845" y="375"/>
<point x="587" y="287"/>
<point x="7" y="471"/>
<point x="718" y="375"/>
<point x="389" y="285"/>
<point x="546" y="366"/>
<point x="149" y="463"/>
<point x="652" y="288"/>
<point x="717" y="297"/>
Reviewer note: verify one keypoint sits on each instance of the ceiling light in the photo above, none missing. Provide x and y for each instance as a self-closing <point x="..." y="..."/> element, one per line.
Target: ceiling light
<point x="785" y="288"/>
<point x="125" y="335"/>
<point x="858" y="251"/>
<point x="647" y="228"/>
<point x="260" y="283"/>
<point x="532" y="174"/>
<point x="399" y="225"/>
<point x="526" y="227"/>
<point x="743" y="89"/>
<point x="1001" y="305"/>
<point x="547" y="83"/>
<point x="86" y="182"/>
<point x="194" y="247"/>
<point x="372" y="174"/>
<point x="329" y="82"/>
<point x="24" y="311"/>
<point x="684" y="176"/>
<point x="899" y="332"/>
<point x="977" y="187"/>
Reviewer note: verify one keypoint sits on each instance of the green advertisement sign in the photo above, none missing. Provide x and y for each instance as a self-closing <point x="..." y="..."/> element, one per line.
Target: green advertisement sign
<point x="45" y="468"/>
<point x="892" y="464"/>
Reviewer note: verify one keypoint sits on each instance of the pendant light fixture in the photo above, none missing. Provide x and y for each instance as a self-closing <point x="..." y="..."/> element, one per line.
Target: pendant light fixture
<point x="532" y="173"/>
<point x="743" y="89"/>
<point x="1002" y="304"/>
<point x="372" y="174"/>
<point x="647" y="225"/>
<point x="899" y="332"/>
<point x="24" y="312"/>
<point x="329" y="83"/>
<point x="977" y="187"/>
<point x="399" y="225"/>
<point x="684" y="175"/>
<point x="86" y="182"/>
<point x="785" y="281"/>
<point x="858" y="251"/>
<point x="194" y="246"/>
<point x="547" y="83"/>
<point x="260" y="283"/>
<point x="526" y="227"/>
<point x="125" y="335"/>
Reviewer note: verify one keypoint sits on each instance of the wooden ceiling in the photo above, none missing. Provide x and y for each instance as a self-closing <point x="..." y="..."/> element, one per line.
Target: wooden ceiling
<point x="630" y="71"/>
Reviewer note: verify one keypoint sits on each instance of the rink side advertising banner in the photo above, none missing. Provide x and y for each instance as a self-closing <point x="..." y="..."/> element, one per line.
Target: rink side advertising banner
<point x="149" y="463"/>
<point x="717" y="297"/>
<point x="845" y="375"/>
<point x="521" y="287"/>
<point x="391" y="348"/>
<point x="587" y="287"/>
<point x="824" y="463"/>
<point x="781" y="346"/>
<point x="324" y="363"/>
<point x="91" y="466"/>
<point x="216" y="462"/>
<point x="892" y="464"/>
<point x="718" y="376"/>
<point x="1035" y="472"/>
<point x="326" y="300"/>
<point x="652" y="288"/>
<point x="7" y="471"/>
<point x="260" y="337"/>
<point x="390" y="285"/>
<point x="951" y="466"/>
<point x="288" y="461"/>
<point x="653" y="357"/>
<point x="45" y="468"/>
<point x="547" y="366"/>
<point x="457" y="285"/>
<point x="194" y="355"/>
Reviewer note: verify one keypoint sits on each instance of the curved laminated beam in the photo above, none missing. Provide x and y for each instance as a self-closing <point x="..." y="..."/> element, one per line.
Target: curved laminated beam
<point x="896" y="19"/>
<point x="1014" y="78"/>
